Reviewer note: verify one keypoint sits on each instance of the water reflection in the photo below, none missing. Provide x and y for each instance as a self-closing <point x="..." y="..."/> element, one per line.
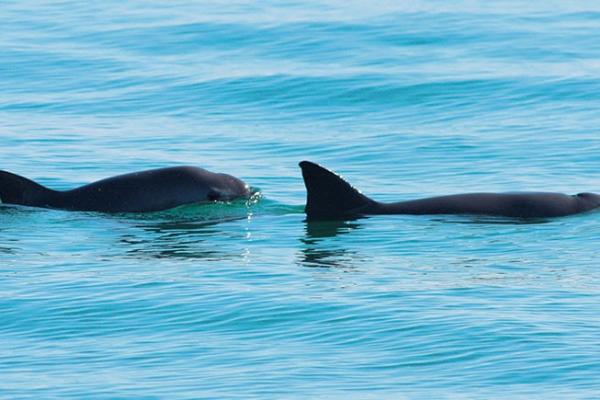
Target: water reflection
<point x="14" y="221"/>
<point x="316" y="230"/>
<point x="194" y="232"/>
<point x="319" y="251"/>
<point x="167" y="239"/>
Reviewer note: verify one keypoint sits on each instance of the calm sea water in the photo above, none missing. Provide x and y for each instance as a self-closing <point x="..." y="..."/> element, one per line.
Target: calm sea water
<point x="249" y="300"/>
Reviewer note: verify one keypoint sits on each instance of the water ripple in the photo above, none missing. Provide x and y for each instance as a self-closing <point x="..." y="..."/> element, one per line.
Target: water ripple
<point x="250" y="300"/>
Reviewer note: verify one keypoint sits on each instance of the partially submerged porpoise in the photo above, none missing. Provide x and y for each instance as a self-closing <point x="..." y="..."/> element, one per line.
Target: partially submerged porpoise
<point x="331" y="197"/>
<point x="144" y="191"/>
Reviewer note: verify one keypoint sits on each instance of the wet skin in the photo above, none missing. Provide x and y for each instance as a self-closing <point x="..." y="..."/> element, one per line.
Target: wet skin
<point x="144" y="191"/>
<point x="331" y="197"/>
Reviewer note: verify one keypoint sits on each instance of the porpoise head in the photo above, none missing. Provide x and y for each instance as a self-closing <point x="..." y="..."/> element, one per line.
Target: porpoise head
<point x="588" y="201"/>
<point x="226" y="187"/>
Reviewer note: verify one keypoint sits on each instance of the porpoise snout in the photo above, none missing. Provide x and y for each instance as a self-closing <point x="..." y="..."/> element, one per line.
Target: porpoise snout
<point x="230" y="187"/>
<point x="589" y="201"/>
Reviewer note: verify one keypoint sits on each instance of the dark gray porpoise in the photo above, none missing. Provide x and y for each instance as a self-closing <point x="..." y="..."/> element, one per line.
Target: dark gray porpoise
<point x="152" y="190"/>
<point x="330" y="197"/>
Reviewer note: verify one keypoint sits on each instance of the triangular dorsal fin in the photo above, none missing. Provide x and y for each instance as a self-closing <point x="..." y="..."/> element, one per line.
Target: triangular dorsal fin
<point x="329" y="196"/>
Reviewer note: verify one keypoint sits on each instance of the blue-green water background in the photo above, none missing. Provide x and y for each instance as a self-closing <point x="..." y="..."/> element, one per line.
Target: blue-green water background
<point x="229" y="301"/>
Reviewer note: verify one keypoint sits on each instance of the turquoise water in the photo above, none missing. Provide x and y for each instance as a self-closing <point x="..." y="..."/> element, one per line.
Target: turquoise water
<point x="249" y="300"/>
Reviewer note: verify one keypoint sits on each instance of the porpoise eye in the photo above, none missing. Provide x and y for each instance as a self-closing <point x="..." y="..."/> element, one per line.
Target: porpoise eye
<point x="213" y="195"/>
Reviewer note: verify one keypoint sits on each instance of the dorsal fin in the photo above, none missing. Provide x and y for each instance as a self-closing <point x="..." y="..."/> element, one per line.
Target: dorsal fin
<point x="15" y="189"/>
<point x="329" y="196"/>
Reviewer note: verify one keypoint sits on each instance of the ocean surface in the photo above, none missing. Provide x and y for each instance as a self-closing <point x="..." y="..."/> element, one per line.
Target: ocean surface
<point x="247" y="300"/>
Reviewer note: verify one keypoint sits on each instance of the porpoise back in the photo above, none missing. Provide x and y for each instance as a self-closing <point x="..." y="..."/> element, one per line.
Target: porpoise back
<point x="144" y="191"/>
<point x="329" y="196"/>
